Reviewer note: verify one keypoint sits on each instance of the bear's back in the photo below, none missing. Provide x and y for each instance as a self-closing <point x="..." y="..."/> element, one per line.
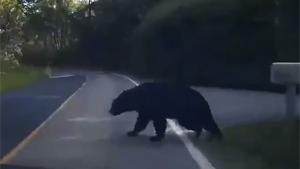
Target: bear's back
<point x="169" y="98"/>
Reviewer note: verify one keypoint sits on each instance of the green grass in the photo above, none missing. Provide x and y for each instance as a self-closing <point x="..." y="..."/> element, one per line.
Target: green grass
<point x="270" y="145"/>
<point x="12" y="79"/>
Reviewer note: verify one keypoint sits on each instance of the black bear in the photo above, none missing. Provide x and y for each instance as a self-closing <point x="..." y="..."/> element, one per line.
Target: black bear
<point x="158" y="101"/>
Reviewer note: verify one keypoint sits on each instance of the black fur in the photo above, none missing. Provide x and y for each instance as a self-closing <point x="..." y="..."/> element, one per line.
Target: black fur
<point x="158" y="101"/>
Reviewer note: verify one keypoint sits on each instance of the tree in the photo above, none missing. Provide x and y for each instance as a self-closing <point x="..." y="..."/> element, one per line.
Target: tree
<point x="50" y="23"/>
<point x="35" y="26"/>
<point x="11" y="22"/>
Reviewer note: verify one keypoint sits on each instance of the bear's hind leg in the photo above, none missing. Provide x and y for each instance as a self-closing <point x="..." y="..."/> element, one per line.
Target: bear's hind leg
<point x="160" y="125"/>
<point x="140" y="125"/>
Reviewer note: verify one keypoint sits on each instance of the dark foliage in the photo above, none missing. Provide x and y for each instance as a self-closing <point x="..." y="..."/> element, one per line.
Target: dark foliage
<point x="215" y="43"/>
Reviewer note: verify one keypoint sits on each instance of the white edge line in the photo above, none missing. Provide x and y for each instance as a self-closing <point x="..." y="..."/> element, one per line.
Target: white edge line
<point x="195" y="153"/>
<point x="126" y="77"/>
<point x="61" y="76"/>
<point x="48" y="72"/>
<point x="14" y="152"/>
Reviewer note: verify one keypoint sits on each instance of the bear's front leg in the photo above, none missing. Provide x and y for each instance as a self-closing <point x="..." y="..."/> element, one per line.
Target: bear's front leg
<point x="160" y="125"/>
<point x="140" y="125"/>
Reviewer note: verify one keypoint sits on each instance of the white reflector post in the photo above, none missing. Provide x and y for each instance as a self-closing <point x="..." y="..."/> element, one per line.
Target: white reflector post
<point x="287" y="74"/>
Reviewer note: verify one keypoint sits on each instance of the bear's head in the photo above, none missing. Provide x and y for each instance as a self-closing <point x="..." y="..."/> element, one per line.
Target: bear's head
<point x="123" y="103"/>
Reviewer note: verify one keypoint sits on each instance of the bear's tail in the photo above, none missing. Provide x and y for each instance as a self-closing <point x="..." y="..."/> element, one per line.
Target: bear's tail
<point x="213" y="128"/>
<point x="216" y="131"/>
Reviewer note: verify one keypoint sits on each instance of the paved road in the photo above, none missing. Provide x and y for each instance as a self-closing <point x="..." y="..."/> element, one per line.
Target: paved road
<point x="233" y="107"/>
<point x="83" y="135"/>
<point x="23" y="110"/>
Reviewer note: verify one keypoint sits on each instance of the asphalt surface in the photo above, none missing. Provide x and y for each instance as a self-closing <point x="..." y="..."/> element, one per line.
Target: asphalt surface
<point x="235" y="107"/>
<point x="25" y="109"/>
<point x="82" y="135"/>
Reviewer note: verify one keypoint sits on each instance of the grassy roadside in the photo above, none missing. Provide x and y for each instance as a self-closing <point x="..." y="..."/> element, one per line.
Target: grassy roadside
<point x="12" y="79"/>
<point x="270" y="145"/>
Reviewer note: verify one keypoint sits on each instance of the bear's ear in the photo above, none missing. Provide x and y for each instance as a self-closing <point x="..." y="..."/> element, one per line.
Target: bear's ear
<point x="114" y="98"/>
<point x="124" y="92"/>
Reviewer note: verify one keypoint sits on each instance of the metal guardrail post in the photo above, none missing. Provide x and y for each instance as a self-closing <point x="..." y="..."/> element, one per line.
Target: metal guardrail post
<point x="287" y="74"/>
<point x="290" y="100"/>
